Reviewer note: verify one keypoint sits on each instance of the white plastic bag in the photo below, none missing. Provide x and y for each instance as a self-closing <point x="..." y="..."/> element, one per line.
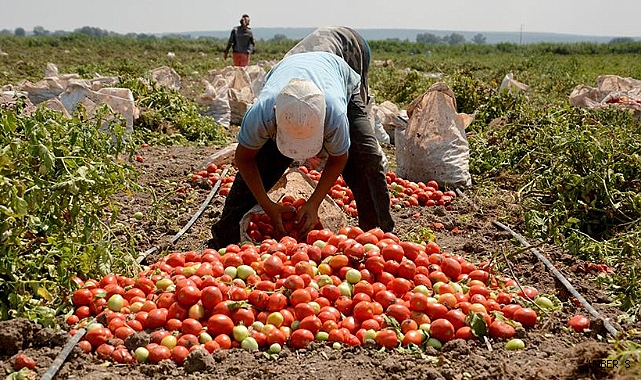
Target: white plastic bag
<point x="434" y="146"/>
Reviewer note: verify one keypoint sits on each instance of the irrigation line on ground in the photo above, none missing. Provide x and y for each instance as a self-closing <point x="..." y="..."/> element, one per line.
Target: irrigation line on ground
<point x="608" y="326"/>
<point x="66" y="350"/>
<point x="193" y="219"/>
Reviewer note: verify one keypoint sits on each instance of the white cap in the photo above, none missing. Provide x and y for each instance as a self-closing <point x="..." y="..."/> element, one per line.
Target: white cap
<point x="300" y="119"/>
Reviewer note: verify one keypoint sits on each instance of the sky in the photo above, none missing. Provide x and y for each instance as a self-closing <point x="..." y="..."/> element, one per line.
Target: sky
<point x="581" y="17"/>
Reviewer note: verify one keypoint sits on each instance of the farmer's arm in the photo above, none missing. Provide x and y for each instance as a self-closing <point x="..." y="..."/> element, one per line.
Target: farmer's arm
<point x="246" y="162"/>
<point x="309" y="212"/>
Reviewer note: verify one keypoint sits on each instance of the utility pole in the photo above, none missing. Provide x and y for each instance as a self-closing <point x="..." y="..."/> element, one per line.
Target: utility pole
<point x="521" y="35"/>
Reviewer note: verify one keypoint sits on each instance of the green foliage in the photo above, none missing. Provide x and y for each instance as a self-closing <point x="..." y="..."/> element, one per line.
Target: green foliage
<point x="57" y="178"/>
<point x="167" y="117"/>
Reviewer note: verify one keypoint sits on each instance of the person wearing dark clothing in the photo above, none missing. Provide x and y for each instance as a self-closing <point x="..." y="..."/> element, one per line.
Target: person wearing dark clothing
<point x="241" y="43"/>
<point x="312" y="101"/>
<point x="344" y="42"/>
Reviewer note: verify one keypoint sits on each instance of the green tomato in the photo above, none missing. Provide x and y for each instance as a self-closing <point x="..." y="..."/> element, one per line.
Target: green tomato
<point x="322" y="336"/>
<point x="432" y="342"/>
<point x="141" y="354"/>
<point x="240" y="333"/>
<point x="249" y="344"/>
<point x="515" y="345"/>
<point x="115" y="302"/>
<point x="275" y="348"/>
<point x="244" y="271"/>
<point x="544" y="302"/>
<point x="138" y="215"/>
<point x="353" y="276"/>
<point x="231" y="271"/>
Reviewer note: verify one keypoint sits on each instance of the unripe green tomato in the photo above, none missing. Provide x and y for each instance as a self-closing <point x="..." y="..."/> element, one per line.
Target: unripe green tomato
<point x="514" y="345"/>
<point x="141" y="354"/>
<point x="249" y="344"/>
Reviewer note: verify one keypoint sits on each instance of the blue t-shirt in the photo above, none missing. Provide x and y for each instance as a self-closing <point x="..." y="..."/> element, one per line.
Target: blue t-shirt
<point x="330" y="73"/>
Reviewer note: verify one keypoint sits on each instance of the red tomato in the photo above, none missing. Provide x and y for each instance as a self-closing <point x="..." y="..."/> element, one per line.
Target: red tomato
<point x="188" y="295"/>
<point x="526" y="316"/>
<point x="23" y="361"/>
<point x="98" y="336"/>
<point x="442" y="329"/>
<point x="220" y="324"/>
<point x="210" y="296"/>
<point x="387" y="338"/>
<point x="392" y="251"/>
<point x="301" y="338"/>
<point x="179" y="353"/>
<point x="451" y="268"/>
<point x="501" y="330"/>
<point x="82" y="297"/>
<point x="413" y="337"/>
<point x="158" y="353"/>
<point x="579" y="323"/>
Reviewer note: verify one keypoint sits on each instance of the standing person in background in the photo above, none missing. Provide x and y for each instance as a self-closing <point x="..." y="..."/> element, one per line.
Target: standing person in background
<point x="241" y="43"/>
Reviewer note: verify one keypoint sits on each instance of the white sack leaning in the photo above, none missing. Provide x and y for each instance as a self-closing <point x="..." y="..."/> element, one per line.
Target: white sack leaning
<point x="434" y="146"/>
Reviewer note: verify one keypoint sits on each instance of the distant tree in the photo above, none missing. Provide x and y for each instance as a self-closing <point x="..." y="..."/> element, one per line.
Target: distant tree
<point x="6" y="32"/>
<point x="621" y="40"/>
<point x="479" y="39"/>
<point x="454" y="39"/>
<point x="279" y="37"/>
<point x="20" y="32"/>
<point x="40" y="31"/>
<point x="92" y="31"/>
<point x="428" y="38"/>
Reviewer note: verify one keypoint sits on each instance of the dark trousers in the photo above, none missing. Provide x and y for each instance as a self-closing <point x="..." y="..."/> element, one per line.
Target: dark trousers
<point x="363" y="173"/>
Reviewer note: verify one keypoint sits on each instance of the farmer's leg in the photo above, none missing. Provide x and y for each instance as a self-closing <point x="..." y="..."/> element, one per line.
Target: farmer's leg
<point x="271" y="165"/>
<point x="364" y="172"/>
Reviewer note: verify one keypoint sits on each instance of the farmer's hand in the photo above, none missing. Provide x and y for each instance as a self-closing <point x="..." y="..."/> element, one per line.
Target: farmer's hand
<point x="306" y="218"/>
<point x="276" y="212"/>
<point x="225" y="55"/>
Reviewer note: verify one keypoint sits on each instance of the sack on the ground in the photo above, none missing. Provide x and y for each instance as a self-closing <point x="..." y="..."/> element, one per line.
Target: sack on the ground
<point x="297" y="184"/>
<point x="434" y="146"/>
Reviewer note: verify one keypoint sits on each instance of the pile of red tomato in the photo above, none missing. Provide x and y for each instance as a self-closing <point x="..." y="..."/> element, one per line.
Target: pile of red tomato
<point x="209" y="176"/>
<point x="403" y="193"/>
<point x="344" y="289"/>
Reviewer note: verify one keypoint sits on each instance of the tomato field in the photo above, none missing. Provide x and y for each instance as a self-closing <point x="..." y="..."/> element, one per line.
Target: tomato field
<point x="94" y="246"/>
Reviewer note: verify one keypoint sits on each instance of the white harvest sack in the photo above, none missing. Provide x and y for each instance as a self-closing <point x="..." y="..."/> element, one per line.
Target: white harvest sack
<point x="434" y="146"/>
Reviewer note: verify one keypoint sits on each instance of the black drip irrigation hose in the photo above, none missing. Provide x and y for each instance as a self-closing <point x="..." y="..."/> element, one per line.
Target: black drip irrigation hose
<point x="66" y="350"/>
<point x="608" y="326"/>
<point x="62" y="356"/>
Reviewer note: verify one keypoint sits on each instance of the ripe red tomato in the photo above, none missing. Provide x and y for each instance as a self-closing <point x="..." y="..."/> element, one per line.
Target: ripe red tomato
<point x="579" y="323"/>
<point x="82" y="297"/>
<point x="158" y="353"/>
<point x="98" y="336"/>
<point x="23" y="361"/>
<point x="501" y="330"/>
<point x="526" y="316"/>
<point x="188" y="295"/>
<point x="413" y="337"/>
<point x="392" y="251"/>
<point x="451" y="268"/>
<point x="442" y="330"/>
<point x="220" y="324"/>
<point x="301" y="338"/>
<point x="386" y="338"/>
<point x="210" y="296"/>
